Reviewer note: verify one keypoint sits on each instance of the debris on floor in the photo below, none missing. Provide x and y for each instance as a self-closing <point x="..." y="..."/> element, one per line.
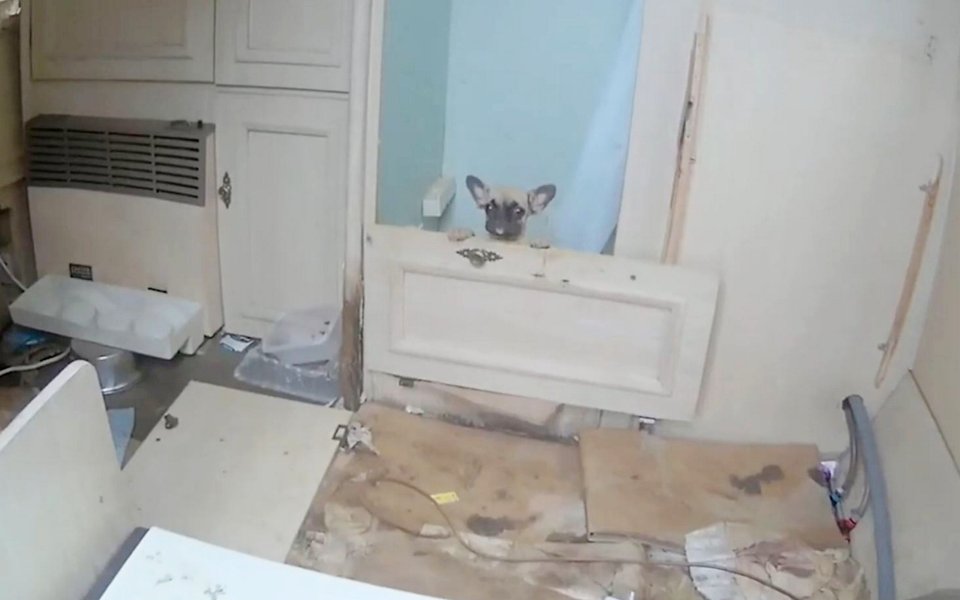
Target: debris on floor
<point x="318" y="383"/>
<point x="641" y="486"/>
<point x="170" y="421"/>
<point x="773" y="558"/>
<point x="466" y="514"/>
<point x="121" y="427"/>
<point x="236" y="343"/>
<point x="12" y="401"/>
<point x="360" y="437"/>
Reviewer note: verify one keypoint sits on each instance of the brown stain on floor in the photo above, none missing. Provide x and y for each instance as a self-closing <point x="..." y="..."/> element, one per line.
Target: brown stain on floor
<point x="753" y="484"/>
<point x="492" y="527"/>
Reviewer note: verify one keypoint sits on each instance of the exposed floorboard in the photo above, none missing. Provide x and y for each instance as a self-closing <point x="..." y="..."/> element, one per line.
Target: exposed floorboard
<point x="511" y="490"/>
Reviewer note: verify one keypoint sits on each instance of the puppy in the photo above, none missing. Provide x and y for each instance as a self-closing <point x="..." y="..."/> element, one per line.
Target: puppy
<point x="507" y="209"/>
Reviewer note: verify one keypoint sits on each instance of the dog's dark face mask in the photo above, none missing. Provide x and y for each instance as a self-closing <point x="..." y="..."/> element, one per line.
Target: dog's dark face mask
<point x="507" y="209"/>
<point x="505" y="219"/>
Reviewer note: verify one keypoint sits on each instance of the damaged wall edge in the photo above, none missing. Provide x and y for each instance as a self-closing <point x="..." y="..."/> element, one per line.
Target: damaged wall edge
<point x="358" y="179"/>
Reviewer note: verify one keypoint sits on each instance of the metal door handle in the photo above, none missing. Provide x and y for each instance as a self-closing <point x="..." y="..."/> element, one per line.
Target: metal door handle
<point x="478" y="256"/>
<point x="225" y="191"/>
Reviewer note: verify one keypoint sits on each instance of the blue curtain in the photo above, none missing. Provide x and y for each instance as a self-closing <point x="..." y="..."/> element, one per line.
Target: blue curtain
<point x="587" y="213"/>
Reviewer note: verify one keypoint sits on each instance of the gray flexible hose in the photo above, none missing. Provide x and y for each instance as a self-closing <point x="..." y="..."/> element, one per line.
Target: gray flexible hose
<point x="853" y="464"/>
<point x="870" y="457"/>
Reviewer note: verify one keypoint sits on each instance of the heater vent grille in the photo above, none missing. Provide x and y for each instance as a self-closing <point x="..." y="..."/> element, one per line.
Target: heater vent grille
<point x="159" y="159"/>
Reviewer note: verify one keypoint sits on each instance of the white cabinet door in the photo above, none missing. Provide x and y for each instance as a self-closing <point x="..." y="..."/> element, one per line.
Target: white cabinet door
<point x="282" y="234"/>
<point x="301" y="44"/>
<point x="147" y="40"/>
<point x="582" y="329"/>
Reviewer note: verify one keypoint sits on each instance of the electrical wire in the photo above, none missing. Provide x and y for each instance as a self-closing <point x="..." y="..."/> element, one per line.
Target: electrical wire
<point x="37" y="365"/>
<point x="459" y="537"/>
<point x="6" y="269"/>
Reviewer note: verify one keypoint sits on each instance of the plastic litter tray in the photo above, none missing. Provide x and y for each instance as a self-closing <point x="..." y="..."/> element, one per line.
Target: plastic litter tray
<point x="305" y="337"/>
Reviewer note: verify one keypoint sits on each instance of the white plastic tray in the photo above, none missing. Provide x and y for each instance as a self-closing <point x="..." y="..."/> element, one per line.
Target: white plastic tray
<point x="143" y="322"/>
<point x="305" y="337"/>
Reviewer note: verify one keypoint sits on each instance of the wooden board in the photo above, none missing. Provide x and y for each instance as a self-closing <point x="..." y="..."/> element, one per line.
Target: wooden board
<point x="63" y="506"/>
<point x="11" y="133"/>
<point x="606" y="333"/>
<point x="932" y="192"/>
<point x="166" y="566"/>
<point x="654" y="489"/>
<point x="239" y="470"/>
<point x="936" y="367"/>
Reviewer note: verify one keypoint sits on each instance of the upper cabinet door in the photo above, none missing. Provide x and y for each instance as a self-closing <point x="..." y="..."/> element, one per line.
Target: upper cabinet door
<point x="299" y="44"/>
<point x="147" y="40"/>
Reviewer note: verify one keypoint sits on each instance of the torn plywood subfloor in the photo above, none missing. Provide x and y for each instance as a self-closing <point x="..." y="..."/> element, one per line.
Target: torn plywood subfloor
<point x="512" y="493"/>
<point x="641" y="486"/>
<point x="772" y="557"/>
<point x="12" y="401"/>
<point x="508" y="497"/>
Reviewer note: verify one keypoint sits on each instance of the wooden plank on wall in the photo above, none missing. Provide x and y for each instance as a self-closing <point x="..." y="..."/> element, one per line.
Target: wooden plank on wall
<point x="932" y="193"/>
<point x="938" y="361"/>
<point x="11" y="137"/>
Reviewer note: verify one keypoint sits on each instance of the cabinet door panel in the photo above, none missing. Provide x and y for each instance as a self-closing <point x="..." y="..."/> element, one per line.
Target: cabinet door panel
<point x="302" y="44"/>
<point x="149" y="40"/>
<point x="282" y="235"/>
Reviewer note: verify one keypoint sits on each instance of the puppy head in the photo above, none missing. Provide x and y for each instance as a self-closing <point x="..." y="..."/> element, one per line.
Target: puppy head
<point x="507" y="209"/>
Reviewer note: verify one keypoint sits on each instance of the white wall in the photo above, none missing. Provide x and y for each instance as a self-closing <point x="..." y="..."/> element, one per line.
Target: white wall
<point x="820" y="121"/>
<point x="916" y="429"/>
<point x="938" y="362"/>
<point x="923" y="484"/>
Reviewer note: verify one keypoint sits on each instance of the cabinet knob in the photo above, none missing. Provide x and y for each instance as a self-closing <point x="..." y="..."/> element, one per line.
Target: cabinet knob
<point x="225" y="191"/>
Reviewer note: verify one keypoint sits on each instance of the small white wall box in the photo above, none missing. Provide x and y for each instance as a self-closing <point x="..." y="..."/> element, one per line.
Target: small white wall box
<point x="438" y="197"/>
<point x="128" y="202"/>
<point x="139" y="321"/>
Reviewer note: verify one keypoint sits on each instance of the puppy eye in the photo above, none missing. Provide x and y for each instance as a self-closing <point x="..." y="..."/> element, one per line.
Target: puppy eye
<point x="518" y="211"/>
<point x="490" y="207"/>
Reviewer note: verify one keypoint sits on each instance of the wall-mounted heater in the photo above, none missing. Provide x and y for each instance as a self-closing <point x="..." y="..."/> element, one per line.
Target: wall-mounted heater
<point x="127" y="202"/>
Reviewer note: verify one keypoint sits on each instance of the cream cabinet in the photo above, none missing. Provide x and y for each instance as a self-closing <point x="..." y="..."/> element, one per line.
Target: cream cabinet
<point x="283" y="169"/>
<point x="300" y="44"/>
<point x="277" y="95"/>
<point x="144" y="40"/>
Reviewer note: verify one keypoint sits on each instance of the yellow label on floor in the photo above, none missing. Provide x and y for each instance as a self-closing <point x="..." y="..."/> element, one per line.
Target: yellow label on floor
<point x="445" y="498"/>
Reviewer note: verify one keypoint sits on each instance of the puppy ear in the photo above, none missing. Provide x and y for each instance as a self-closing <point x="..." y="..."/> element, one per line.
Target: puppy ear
<point x="479" y="191"/>
<point x="539" y="198"/>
